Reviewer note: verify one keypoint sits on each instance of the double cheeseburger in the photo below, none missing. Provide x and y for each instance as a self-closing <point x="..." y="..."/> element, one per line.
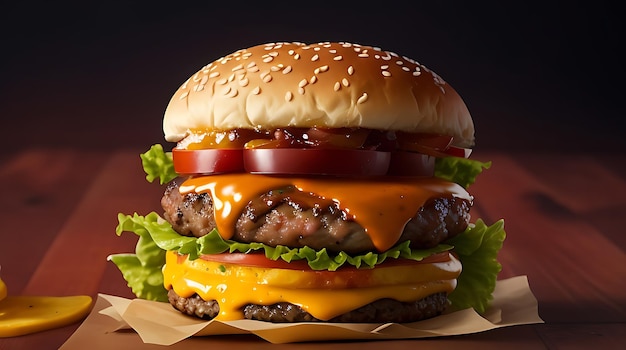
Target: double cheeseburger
<point x="314" y="182"/>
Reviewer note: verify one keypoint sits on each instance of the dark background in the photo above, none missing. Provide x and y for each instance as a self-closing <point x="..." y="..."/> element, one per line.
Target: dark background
<point x="99" y="75"/>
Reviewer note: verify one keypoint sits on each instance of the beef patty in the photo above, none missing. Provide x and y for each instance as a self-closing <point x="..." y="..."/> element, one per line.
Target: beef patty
<point x="289" y="217"/>
<point x="383" y="310"/>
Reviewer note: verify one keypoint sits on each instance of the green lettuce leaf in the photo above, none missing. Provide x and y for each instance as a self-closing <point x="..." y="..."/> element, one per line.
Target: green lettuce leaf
<point x="158" y="164"/>
<point x="142" y="270"/>
<point x="462" y="171"/>
<point x="477" y="248"/>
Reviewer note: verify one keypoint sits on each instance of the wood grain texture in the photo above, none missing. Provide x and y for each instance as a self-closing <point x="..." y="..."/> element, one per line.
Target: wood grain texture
<point x="563" y="217"/>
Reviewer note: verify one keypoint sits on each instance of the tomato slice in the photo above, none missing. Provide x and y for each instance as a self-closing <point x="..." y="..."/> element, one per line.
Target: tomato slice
<point x="458" y="152"/>
<point x="312" y="161"/>
<point x="207" y="161"/>
<point x="411" y="164"/>
<point x="259" y="260"/>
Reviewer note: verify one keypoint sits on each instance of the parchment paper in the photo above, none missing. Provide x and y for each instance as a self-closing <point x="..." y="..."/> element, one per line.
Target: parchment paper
<point x="158" y="323"/>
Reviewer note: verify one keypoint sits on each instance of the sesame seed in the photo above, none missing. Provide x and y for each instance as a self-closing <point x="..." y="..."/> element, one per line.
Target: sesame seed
<point x="313" y="79"/>
<point x="362" y="99"/>
<point x="315" y="58"/>
<point x="231" y="77"/>
<point x="227" y="91"/>
<point x="338" y="58"/>
<point x="296" y="56"/>
<point x="268" y="59"/>
<point x="323" y="68"/>
<point x="273" y="53"/>
<point x="417" y="73"/>
<point x="337" y="86"/>
<point x="345" y="82"/>
<point x="204" y="80"/>
<point x="256" y="90"/>
<point x="237" y="67"/>
<point x="290" y="52"/>
<point x="316" y="49"/>
<point x="214" y="74"/>
<point x="301" y="90"/>
<point x="406" y="69"/>
<point x="332" y="51"/>
<point x="350" y="70"/>
<point x="302" y="83"/>
<point x="244" y="82"/>
<point x="222" y="81"/>
<point x="316" y="71"/>
<point x="386" y="73"/>
<point x="288" y="96"/>
<point x="253" y="69"/>
<point x="399" y="63"/>
<point x="251" y="64"/>
<point x="287" y="70"/>
<point x="383" y="67"/>
<point x="184" y="94"/>
<point x="198" y="87"/>
<point x="274" y="68"/>
<point x="267" y="78"/>
<point x="364" y="55"/>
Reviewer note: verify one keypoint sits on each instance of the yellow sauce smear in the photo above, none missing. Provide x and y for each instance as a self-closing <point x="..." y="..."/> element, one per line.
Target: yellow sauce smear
<point x="21" y="315"/>
<point x="401" y="198"/>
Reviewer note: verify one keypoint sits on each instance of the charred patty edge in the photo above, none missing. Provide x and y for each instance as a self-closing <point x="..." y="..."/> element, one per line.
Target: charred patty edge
<point x="379" y="311"/>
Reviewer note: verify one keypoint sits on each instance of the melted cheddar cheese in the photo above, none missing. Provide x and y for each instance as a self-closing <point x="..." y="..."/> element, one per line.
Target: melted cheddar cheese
<point x="323" y="294"/>
<point x="382" y="206"/>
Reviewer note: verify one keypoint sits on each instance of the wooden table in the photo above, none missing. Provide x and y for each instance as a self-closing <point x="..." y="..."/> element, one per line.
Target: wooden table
<point x="564" y="217"/>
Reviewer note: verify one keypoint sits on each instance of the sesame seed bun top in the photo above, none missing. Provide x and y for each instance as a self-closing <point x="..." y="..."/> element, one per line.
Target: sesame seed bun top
<point x="325" y="85"/>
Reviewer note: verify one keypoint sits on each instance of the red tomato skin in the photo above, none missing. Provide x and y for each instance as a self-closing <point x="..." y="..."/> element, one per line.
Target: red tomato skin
<point x="458" y="152"/>
<point x="207" y="161"/>
<point x="259" y="260"/>
<point x="411" y="164"/>
<point x="311" y="161"/>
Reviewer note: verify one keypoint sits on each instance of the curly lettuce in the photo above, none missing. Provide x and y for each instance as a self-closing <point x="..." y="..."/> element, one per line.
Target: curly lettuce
<point x="462" y="171"/>
<point x="477" y="248"/>
<point x="158" y="164"/>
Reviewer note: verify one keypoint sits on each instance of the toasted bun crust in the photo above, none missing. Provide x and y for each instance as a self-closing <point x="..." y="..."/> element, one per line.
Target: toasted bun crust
<point x="324" y="85"/>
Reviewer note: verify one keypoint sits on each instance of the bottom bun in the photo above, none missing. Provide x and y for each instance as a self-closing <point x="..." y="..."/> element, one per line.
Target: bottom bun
<point x="379" y="311"/>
